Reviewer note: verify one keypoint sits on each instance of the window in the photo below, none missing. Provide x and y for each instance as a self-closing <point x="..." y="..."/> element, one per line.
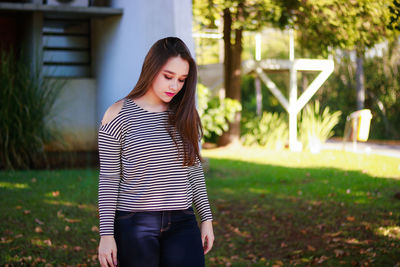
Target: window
<point x="66" y="47"/>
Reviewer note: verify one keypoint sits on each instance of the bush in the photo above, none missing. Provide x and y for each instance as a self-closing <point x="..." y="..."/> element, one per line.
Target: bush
<point x="214" y="114"/>
<point x="270" y="131"/>
<point x="26" y="101"/>
<point x="315" y="127"/>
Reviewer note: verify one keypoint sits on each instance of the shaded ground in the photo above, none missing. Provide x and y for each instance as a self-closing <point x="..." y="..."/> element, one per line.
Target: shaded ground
<point x="271" y="231"/>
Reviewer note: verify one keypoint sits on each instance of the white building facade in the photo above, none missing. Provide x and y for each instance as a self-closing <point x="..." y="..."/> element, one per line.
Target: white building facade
<point x="97" y="46"/>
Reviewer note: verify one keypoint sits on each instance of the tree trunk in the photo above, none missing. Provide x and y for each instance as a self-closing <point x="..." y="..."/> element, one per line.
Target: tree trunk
<point x="232" y="68"/>
<point x="360" y="84"/>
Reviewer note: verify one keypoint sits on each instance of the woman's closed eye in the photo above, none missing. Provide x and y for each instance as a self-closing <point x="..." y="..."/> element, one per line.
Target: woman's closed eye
<point x="169" y="78"/>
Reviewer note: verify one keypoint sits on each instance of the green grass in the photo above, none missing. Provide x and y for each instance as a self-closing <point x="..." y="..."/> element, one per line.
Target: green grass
<point x="270" y="208"/>
<point x="282" y="208"/>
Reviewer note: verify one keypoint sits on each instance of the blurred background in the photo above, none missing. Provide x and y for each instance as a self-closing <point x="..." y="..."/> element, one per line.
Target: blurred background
<point x="65" y="62"/>
<point x="299" y="102"/>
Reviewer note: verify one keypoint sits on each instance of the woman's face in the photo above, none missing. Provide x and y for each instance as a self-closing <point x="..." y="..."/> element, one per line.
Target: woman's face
<point x="170" y="80"/>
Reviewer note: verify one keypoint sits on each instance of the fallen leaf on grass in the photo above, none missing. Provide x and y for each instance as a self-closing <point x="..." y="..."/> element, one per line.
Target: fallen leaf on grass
<point x="47" y="242"/>
<point x="18" y="207"/>
<point x="77" y="248"/>
<point x="71" y="220"/>
<point x="27" y="212"/>
<point x="37" y="260"/>
<point x="321" y="259"/>
<point x="338" y="253"/>
<point x="296" y="252"/>
<point x="60" y="214"/>
<point x="19" y="236"/>
<point x="237" y="231"/>
<point x="311" y="248"/>
<point x="38" y="229"/>
<point x="352" y="241"/>
<point x="33" y="180"/>
<point x="277" y="263"/>
<point x="39" y="221"/>
<point x="350" y="218"/>
<point x="333" y="234"/>
<point x="55" y="193"/>
<point x="4" y="240"/>
<point x="27" y="258"/>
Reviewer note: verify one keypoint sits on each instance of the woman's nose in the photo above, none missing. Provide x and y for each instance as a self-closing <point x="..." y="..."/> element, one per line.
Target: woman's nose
<point x="173" y="84"/>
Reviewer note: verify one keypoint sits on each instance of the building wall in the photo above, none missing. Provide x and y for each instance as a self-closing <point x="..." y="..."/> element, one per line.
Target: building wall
<point x="118" y="46"/>
<point x="121" y="43"/>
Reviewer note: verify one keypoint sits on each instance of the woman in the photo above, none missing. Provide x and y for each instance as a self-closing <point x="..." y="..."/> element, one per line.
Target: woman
<point x="150" y="168"/>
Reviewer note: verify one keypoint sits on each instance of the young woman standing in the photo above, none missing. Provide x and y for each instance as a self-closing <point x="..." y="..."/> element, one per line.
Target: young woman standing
<point x="150" y="168"/>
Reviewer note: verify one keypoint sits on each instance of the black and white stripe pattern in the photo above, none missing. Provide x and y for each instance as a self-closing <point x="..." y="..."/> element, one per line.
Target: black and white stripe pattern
<point x="141" y="170"/>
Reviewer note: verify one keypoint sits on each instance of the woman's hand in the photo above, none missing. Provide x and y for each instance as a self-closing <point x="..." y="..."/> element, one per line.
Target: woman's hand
<point x="207" y="235"/>
<point x="107" y="251"/>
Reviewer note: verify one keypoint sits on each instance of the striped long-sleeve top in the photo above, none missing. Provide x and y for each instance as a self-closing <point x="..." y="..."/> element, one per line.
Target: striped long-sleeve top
<point x="141" y="170"/>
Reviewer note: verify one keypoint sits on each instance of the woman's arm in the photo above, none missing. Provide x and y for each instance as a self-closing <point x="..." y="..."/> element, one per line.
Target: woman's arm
<point x="200" y="199"/>
<point x="109" y="180"/>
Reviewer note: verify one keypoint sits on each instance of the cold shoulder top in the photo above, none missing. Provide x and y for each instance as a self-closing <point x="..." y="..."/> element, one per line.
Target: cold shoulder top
<point x="141" y="170"/>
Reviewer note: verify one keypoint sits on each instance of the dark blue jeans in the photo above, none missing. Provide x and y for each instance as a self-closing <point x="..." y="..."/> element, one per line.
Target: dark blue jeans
<point x="158" y="238"/>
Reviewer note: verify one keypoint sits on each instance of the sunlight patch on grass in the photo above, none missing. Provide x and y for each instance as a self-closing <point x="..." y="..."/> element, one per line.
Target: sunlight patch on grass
<point x="228" y="190"/>
<point x="86" y="207"/>
<point x="259" y="190"/>
<point x="60" y="202"/>
<point x="389" y="231"/>
<point x="373" y="165"/>
<point x="8" y="185"/>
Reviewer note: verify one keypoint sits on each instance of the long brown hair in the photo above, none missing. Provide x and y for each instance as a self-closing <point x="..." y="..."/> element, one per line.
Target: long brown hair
<point x="183" y="115"/>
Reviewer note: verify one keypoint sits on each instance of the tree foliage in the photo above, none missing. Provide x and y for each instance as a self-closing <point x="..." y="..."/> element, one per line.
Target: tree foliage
<point x="255" y="13"/>
<point x="237" y="16"/>
<point x="395" y="15"/>
<point x="354" y="24"/>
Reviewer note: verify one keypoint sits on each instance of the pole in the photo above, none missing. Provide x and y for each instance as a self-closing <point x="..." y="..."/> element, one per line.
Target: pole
<point x="293" y="144"/>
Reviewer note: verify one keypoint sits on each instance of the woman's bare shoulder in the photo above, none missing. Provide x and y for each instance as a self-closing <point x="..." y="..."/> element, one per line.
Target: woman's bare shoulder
<point x="112" y="111"/>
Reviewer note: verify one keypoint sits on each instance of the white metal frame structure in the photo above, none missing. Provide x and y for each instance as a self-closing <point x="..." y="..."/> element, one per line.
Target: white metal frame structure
<point x="294" y="105"/>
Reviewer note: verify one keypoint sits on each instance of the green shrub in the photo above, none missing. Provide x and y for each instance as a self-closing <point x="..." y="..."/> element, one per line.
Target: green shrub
<point x="316" y="127"/>
<point x="270" y="131"/>
<point x="214" y="114"/>
<point x="26" y="101"/>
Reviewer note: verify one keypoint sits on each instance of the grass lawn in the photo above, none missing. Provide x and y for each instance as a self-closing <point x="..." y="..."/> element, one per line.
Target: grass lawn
<point x="270" y="208"/>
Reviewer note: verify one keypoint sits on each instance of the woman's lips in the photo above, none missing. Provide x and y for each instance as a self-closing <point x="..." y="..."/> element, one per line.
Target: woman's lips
<point x="170" y="94"/>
